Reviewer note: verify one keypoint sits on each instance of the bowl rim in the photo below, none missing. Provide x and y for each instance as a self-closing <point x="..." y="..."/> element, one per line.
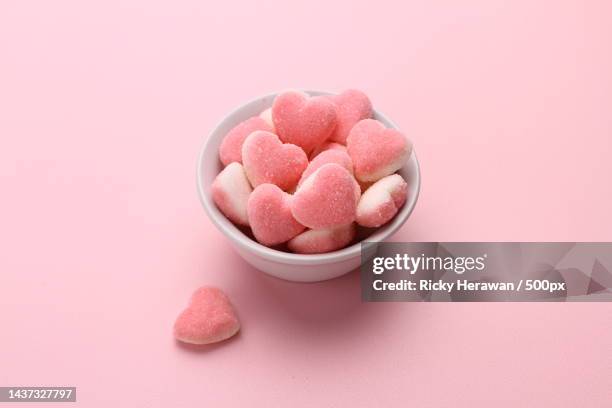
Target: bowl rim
<point x="231" y="231"/>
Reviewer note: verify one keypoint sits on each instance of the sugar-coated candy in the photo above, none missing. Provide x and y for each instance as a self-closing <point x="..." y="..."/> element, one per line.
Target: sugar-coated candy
<point x="377" y="151"/>
<point x="351" y="107"/>
<point x="364" y="185"/>
<point x="327" y="146"/>
<point x="326" y="199"/>
<point x="267" y="160"/>
<point x="209" y="318"/>
<point x="303" y="120"/>
<point x="311" y="173"/>
<point x="337" y="156"/>
<point x="381" y="201"/>
<point x="267" y="116"/>
<point x="270" y="216"/>
<point x="323" y="240"/>
<point x="230" y="191"/>
<point x="231" y="146"/>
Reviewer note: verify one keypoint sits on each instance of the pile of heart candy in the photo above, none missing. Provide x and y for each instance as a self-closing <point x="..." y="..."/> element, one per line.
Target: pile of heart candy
<point x="303" y="174"/>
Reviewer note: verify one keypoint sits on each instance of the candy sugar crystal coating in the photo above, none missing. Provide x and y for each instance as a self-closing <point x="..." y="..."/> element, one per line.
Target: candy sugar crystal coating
<point x="231" y="146"/>
<point x="270" y="217"/>
<point x="351" y="107"/>
<point x="267" y="160"/>
<point x="209" y="318"/>
<point x="310" y="171"/>
<point x="327" y="198"/>
<point x="337" y="156"/>
<point x="267" y="117"/>
<point x="327" y="146"/>
<point x="230" y="192"/>
<point x="381" y="201"/>
<point x="377" y="151"/>
<point x="303" y="120"/>
<point x="324" y="240"/>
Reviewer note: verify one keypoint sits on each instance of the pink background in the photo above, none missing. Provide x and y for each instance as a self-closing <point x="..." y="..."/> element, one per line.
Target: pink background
<point x="104" y="105"/>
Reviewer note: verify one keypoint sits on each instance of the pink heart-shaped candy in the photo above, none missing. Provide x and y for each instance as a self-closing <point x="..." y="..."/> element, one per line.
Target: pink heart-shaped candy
<point x="209" y="318"/>
<point x="231" y="146"/>
<point x="302" y="120"/>
<point x="325" y="147"/>
<point x="230" y="191"/>
<point x="351" y="107"/>
<point x="270" y="217"/>
<point x="267" y="160"/>
<point x="376" y="151"/>
<point x="337" y="156"/>
<point x="322" y="240"/>
<point x="327" y="198"/>
<point x="381" y="201"/>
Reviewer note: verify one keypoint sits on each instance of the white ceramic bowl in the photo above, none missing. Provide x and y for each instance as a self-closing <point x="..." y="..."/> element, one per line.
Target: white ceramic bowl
<point x="285" y="265"/>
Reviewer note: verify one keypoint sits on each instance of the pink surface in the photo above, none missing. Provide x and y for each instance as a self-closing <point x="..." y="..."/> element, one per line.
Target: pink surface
<point x="103" y="106"/>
